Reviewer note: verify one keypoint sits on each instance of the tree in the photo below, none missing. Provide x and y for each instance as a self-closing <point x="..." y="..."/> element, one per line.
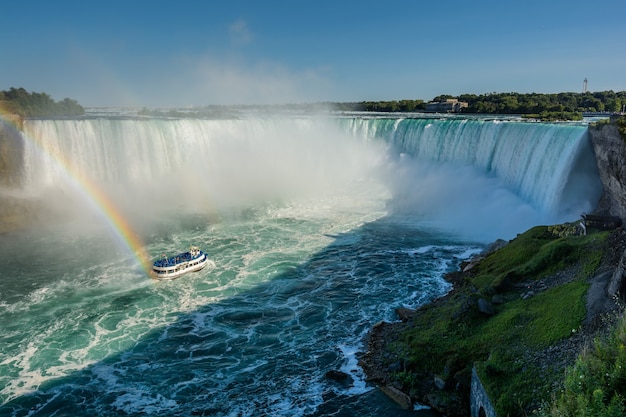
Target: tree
<point x="39" y="104"/>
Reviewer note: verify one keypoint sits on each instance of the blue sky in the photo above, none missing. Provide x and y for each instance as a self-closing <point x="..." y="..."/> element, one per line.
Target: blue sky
<point x="179" y="53"/>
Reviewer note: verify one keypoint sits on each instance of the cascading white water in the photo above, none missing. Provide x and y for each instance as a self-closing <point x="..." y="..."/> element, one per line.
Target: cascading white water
<point x="141" y="151"/>
<point x="535" y="172"/>
<point x="225" y="161"/>
<point x="538" y="161"/>
<point x="535" y="159"/>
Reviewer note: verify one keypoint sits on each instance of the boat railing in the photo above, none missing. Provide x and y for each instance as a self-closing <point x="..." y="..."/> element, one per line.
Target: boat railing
<point x="194" y="252"/>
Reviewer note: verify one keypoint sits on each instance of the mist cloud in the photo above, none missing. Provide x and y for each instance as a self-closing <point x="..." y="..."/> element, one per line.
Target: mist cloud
<point x="460" y="199"/>
<point x="258" y="83"/>
<point x="223" y="73"/>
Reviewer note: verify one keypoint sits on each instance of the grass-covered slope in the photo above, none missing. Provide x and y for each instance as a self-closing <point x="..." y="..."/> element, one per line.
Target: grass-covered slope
<point x="535" y="293"/>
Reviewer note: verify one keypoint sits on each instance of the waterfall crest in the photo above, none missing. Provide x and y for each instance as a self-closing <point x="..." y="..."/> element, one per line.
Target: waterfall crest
<point x="550" y="165"/>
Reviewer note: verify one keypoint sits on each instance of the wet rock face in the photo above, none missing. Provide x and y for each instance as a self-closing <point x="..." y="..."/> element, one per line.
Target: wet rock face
<point x="610" y="151"/>
<point x="15" y="212"/>
<point x="447" y="394"/>
<point x="11" y="151"/>
<point x="340" y="377"/>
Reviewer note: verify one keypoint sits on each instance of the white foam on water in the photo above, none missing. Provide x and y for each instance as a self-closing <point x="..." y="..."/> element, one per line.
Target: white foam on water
<point x="26" y="380"/>
<point x="142" y="401"/>
<point x="424" y="249"/>
<point x="352" y="368"/>
<point x="470" y="253"/>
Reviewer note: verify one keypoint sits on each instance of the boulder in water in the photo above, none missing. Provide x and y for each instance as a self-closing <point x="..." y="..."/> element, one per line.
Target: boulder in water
<point x="339" y="376"/>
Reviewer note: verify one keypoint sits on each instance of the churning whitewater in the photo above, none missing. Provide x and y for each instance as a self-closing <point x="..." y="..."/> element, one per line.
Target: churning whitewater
<point x="319" y="227"/>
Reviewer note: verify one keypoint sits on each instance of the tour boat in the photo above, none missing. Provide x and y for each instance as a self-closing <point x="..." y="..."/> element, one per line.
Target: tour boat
<point x="176" y="266"/>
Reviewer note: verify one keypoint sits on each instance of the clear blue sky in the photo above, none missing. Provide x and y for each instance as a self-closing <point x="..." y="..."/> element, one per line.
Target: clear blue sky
<point x="176" y="53"/>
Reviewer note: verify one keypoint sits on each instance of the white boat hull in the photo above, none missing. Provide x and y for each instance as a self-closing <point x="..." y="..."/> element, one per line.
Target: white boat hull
<point x="167" y="273"/>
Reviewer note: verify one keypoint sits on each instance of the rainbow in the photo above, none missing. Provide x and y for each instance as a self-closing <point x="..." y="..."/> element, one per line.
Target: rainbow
<point x="97" y="199"/>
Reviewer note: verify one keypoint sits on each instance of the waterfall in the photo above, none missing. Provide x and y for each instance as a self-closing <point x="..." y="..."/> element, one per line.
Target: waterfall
<point x="176" y="162"/>
<point x="548" y="164"/>
<point x="551" y="166"/>
<point x="136" y="151"/>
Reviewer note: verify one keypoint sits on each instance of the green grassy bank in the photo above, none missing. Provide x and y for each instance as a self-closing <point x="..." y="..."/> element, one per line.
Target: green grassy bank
<point x="535" y="289"/>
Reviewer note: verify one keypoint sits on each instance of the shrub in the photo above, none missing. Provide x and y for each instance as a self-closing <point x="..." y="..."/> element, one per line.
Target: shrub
<point x="596" y="384"/>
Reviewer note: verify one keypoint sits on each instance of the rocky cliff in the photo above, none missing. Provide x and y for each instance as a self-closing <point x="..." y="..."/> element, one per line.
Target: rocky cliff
<point x="11" y="148"/>
<point x="17" y="210"/>
<point x="610" y="151"/>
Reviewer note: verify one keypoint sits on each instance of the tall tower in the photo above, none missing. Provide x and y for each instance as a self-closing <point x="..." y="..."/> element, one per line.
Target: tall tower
<point x="585" y="86"/>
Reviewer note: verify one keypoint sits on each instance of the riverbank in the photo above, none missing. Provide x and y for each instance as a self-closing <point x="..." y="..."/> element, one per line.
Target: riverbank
<point x="521" y="314"/>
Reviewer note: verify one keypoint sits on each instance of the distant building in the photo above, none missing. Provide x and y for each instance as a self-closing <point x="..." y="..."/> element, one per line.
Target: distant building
<point x="450" y="105"/>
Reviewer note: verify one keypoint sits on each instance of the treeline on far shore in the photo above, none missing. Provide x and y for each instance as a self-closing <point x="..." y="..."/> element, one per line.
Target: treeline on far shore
<point x="21" y="102"/>
<point x="558" y="106"/>
<point x="545" y="106"/>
